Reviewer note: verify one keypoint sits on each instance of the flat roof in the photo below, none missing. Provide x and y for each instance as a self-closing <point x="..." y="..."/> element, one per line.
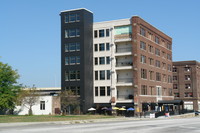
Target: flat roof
<point x="76" y="10"/>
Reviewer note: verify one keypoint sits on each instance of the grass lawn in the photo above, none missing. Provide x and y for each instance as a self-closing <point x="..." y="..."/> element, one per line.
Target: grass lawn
<point x="43" y="118"/>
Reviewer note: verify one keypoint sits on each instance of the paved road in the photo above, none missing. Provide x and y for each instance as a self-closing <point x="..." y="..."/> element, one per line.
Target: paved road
<point x="142" y="126"/>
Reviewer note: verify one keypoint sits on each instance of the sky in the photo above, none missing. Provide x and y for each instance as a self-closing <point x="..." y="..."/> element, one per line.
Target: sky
<point x="30" y="31"/>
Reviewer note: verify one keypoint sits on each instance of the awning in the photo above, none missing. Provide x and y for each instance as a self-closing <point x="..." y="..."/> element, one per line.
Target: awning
<point x="176" y="102"/>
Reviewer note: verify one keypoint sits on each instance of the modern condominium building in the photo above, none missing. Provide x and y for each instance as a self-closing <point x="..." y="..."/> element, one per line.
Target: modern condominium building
<point x="124" y="62"/>
<point x="186" y="77"/>
<point x="132" y="64"/>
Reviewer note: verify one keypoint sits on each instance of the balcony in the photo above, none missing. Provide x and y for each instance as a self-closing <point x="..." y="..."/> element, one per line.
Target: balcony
<point x="125" y="98"/>
<point x="124" y="65"/>
<point x="124" y="82"/>
<point x="123" y="38"/>
<point x="123" y="51"/>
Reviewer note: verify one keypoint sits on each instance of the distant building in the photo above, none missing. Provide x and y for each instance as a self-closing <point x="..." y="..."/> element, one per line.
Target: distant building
<point x="48" y="103"/>
<point x="186" y="83"/>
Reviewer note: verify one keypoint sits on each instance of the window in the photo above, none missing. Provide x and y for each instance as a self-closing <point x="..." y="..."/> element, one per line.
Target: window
<point x="151" y="75"/>
<point x="142" y="45"/>
<point x="176" y="95"/>
<point x="169" y="57"/>
<point x="78" y="90"/>
<point x="96" y="75"/>
<point x="188" y="94"/>
<point x="187" y="86"/>
<point x="187" y="77"/>
<point x="187" y="69"/>
<point x="96" y="91"/>
<point x="175" y="86"/>
<point x="107" y="33"/>
<point x="151" y="61"/>
<point x="70" y="47"/>
<point x="142" y="31"/>
<point x="102" y="91"/>
<point x="159" y="90"/>
<point x="108" y="74"/>
<point x="108" y="60"/>
<point x="77" y="46"/>
<point x="174" y="69"/>
<point x="66" y="76"/>
<point x="143" y="59"/>
<point x="77" y="17"/>
<point x="169" y="67"/>
<point x="101" y="33"/>
<point x="157" y="40"/>
<point x="95" y="34"/>
<point x="72" y="17"/>
<point x="157" y="52"/>
<point x="66" y="47"/>
<point x="101" y="60"/>
<point x="150" y="36"/>
<point x="169" y="46"/>
<point x="157" y="63"/>
<point x="78" y="60"/>
<point x="107" y="46"/>
<point x="102" y="75"/>
<point x="163" y="54"/>
<point x="72" y="60"/>
<point x="151" y="49"/>
<point x="95" y="47"/>
<point x="158" y="76"/>
<point x="72" y="33"/>
<point x="143" y="90"/>
<point x="164" y="78"/>
<point x="163" y="65"/>
<point x="108" y="90"/>
<point x="73" y="89"/>
<point x="72" y="75"/>
<point x="96" y="60"/>
<point x="42" y="105"/>
<point x="144" y="73"/>
<point x="66" y="60"/>
<point x="169" y="79"/>
<point x="66" y="18"/>
<point x="101" y="47"/>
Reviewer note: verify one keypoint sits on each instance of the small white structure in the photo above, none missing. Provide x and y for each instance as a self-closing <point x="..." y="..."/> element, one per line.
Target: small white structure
<point x="48" y="103"/>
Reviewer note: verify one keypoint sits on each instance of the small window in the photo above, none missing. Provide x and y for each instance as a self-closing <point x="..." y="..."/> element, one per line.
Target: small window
<point x="77" y="17"/>
<point x="142" y="32"/>
<point x="143" y="90"/>
<point x="107" y="46"/>
<point x="108" y="90"/>
<point x="66" y="18"/>
<point x="157" y="40"/>
<point x="108" y="60"/>
<point x="66" y="60"/>
<point x="175" y="86"/>
<point x="108" y="74"/>
<point x="158" y="76"/>
<point x="101" y="60"/>
<point x="72" y="47"/>
<point x="143" y="59"/>
<point x="95" y="34"/>
<point x="107" y="33"/>
<point x="78" y="60"/>
<point x="42" y="105"/>
<point x="72" y="60"/>
<point x="96" y="60"/>
<point x="142" y="45"/>
<point x="77" y="46"/>
<point x="72" y="17"/>
<point x="187" y="77"/>
<point x="143" y="73"/>
<point x="96" y="75"/>
<point x="102" y="91"/>
<point x="101" y="33"/>
<point x="66" y="47"/>
<point x="95" y="47"/>
<point x="96" y="91"/>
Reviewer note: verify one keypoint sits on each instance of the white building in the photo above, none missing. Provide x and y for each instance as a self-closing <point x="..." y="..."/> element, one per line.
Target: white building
<point x="48" y="103"/>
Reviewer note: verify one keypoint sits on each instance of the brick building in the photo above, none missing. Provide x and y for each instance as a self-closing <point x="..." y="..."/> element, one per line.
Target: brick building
<point x="186" y="82"/>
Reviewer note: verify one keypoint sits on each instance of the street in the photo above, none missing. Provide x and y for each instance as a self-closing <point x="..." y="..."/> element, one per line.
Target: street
<point x="137" y="126"/>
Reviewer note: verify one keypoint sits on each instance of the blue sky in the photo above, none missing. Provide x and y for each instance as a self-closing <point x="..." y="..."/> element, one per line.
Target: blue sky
<point x="30" y="31"/>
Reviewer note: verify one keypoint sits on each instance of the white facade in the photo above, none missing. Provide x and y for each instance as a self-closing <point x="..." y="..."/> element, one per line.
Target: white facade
<point x="37" y="109"/>
<point x="114" y="34"/>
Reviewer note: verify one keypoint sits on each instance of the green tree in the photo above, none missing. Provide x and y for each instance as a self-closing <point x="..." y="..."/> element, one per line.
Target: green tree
<point x="8" y="88"/>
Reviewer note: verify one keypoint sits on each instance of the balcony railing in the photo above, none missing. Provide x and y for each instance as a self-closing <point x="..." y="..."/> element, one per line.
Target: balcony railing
<point x="120" y="64"/>
<point x="124" y="80"/>
<point x="125" y="97"/>
<point x="123" y="50"/>
<point x="122" y="36"/>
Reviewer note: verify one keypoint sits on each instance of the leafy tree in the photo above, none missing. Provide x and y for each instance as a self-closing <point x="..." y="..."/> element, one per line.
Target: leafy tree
<point x="69" y="102"/>
<point x="8" y="87"/>
<point x="28" y="97"/>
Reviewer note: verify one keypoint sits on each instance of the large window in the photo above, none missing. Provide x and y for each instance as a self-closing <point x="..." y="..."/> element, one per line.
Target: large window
<point x="72" y="33"/>
<point x="72" y="75"/>
<point x="42" y="105"/>
<point x="101" y="33"/>
<point x="102" y="75"/>
<point x="70" y="47"/>
<point x="102" y="91"/>
<point x="72" y="60"/>
<point x="101" y="47"/>
<point x="158" y="76"/>
<point x="74" y="17"/>
<point x="101" y="60"/>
